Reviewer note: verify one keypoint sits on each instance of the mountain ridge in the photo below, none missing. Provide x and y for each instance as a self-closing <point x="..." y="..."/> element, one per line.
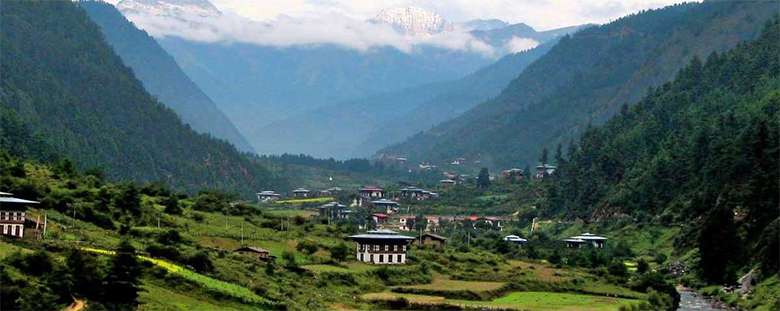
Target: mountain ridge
<point x="562" y="92"/>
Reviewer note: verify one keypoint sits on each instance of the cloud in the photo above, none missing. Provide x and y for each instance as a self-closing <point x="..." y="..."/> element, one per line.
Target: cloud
<point x="285" y="31"/>
<point x="517" y="44"/>
<point x="344" y="22"/>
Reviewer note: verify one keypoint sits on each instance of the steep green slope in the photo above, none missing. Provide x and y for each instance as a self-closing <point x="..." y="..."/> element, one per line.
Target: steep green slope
<point x="700" y="151"/>
<point x="66" y="85"/>
<point x="585" y="79"/>
<point x="161" y="76"/>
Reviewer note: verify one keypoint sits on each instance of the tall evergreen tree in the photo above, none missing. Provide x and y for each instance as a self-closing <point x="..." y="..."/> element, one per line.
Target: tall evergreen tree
<point x="123" y="280"/>
<point x="483" y="179"/>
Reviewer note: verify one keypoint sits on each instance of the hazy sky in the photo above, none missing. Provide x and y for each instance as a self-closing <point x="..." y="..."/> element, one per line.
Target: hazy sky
<point x="542" y="14"/>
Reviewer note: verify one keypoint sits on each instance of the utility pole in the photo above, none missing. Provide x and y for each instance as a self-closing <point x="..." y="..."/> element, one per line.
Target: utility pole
<point x="242" y="234"/>
<point x="44" y="225"/>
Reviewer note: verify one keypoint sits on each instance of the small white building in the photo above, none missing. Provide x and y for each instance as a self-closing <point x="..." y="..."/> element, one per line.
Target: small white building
<point x="586" y="239"/>
<point x="268" y="196"/>
<point x="382" y="247"/>
<point x="515" y="239"/>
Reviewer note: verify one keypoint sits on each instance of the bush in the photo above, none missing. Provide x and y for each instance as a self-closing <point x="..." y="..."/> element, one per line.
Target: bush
<point x="339" y="252"/>
<point x="201" y="262"/>
<point x="307" y="247"/>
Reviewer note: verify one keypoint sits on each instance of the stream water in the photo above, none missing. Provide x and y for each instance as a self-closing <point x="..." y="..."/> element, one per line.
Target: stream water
<point x="693" y="301"/>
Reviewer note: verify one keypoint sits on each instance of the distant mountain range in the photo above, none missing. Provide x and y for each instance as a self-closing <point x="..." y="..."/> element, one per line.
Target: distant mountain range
<point x="585" y="79"/>
<point x="161" y="76"/>
<point x="262" y="87"/>
<point x="358" y="128"/>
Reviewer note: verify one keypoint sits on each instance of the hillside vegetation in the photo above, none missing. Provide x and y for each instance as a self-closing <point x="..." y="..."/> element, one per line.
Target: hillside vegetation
<point x="700" y="151"/>
<point x="64" y="83"/>
<point x="585" y="79"/>
<point x="161" y="76"/>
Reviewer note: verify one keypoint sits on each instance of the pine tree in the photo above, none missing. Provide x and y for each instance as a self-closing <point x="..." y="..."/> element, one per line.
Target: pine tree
<point x="483" y="179"/>
<point x="123" y="280"/>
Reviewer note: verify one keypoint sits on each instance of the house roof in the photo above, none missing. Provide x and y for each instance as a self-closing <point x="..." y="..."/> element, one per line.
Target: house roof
<point x="435" y="236"/>
<point x="447" y="181"/>
<point x="380" y="215"/>
<point x="382" y="234"/>
<point x="16" y="201"/>
<point x="5" y="193"/>
<point x="589" y="237"/>
<point x="252" y="249"/>
<point x="572" y="240"/>
<point x="384" y="201"/>
<point x="371" y="188"/>
<point x="334" y="204"/>
<point x="300" y="190"/>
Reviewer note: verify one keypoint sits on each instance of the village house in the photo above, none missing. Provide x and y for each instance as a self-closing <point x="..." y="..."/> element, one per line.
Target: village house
<point x="513" y="175"/>
<point x="301" y="193"/>
<point x="406" y="222"/>
<point x="368" y="194"/>
<point x="259" y="253"/>
<point x="432" y="240"/>
<point x="382" y="247"/>
<point x="586" y="239"/>
<point x="334" y="211"/>
<point x="417" y="194"/>
<point x="446" y="183"/>
<point x="13" y="213"/>
<point x="379" y="218"/>
<point x="515" y="239"/>
<point x="268" y="196"/>
<point x="544" y="170"/>
<point x="433" y="223"/>
<point x="386" y="205"/>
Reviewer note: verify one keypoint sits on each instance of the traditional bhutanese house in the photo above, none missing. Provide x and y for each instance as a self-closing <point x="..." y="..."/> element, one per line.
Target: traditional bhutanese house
<point x="417" y="194"/>
<point x="259" y="253"/>
<point x="13" y="212"/>
<point x="379" y="218"/>
<point x="433" y="223"/>
<point x="382" y="247"/>
<point x="515" y="239"/>
<point x="495" y="222"/>
<point x="324" y="193"/>
<point x="301" y="193"/>
<point x="432" y="240"/>
<point x="388" y="206"/>
<point x="406" y="222"/>
<point x="334" y="190"/>
<point x="446" y="183"/>
<point x="334" y="211"/>
<point x="544" y="170"/>
<point x="586" y="239"/>
<point x="368" y="194"/>
<point x="512" y="175"/>
<point x="268" y="196"/>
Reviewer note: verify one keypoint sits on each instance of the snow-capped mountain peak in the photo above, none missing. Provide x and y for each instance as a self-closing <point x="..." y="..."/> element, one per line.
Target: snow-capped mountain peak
<point x="413" y="20"/>
<point x="169" y="8"/>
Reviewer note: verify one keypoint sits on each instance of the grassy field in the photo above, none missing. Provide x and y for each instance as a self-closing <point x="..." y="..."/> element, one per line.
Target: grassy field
<point x="532" y="301"/>
<point x="443" y="284"/>
<point x="223" y="287"/>
<point x="159" y="298"/>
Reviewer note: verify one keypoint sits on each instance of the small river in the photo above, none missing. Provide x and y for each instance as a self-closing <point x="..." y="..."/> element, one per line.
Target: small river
<point x="693" y="301"/>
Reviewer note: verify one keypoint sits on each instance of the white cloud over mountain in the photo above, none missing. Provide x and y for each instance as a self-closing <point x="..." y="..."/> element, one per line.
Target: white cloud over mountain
<point x="348" y="23"/>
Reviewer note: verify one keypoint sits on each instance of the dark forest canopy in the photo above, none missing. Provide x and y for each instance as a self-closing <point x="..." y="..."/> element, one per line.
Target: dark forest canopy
<point x="702" y="150"/>
<point x="64" y="83"/>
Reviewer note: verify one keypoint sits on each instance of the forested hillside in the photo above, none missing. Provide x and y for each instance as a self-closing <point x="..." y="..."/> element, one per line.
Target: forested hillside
<point x="161" y="76"/>
<point x="585" y="79"/>
<point x="64" y="83"/>
<point x="700" y="151"/>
